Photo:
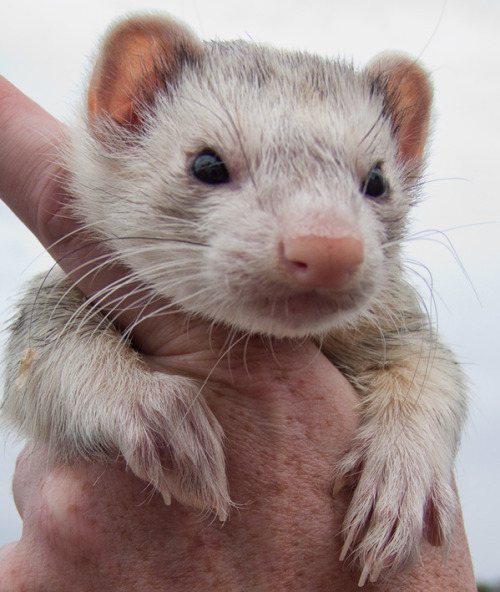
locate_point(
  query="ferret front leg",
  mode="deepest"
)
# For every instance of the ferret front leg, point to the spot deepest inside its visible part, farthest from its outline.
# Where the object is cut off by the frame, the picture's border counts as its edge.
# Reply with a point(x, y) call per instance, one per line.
point(400, 463)
point(74, 384)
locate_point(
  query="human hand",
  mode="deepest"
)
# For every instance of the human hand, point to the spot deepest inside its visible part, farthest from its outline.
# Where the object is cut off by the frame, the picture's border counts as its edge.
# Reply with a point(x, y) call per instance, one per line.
point(288, 416)
point(89, 527)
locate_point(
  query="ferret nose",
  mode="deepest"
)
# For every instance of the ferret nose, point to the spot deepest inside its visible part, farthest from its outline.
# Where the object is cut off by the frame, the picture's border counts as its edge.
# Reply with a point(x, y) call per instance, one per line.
point(321, 261)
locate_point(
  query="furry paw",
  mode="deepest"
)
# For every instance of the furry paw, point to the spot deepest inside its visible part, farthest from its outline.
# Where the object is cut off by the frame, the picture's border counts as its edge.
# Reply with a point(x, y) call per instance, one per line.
point(171, 439)
point(400, 495)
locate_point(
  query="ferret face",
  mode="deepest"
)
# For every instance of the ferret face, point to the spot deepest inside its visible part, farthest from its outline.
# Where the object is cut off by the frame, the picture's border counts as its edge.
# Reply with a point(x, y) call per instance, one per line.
point(261, 189)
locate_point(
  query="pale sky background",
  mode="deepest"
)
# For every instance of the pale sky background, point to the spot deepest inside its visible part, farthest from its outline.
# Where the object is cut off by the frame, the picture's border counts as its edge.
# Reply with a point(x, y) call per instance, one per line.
point(45, 48)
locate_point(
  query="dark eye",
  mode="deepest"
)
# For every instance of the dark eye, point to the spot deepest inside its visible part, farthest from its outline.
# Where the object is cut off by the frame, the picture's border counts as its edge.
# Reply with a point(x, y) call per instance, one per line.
point(375, 184)
point(209, 168)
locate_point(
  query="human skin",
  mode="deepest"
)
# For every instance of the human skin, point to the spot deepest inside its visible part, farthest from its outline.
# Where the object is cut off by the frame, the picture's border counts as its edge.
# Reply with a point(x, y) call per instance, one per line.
point(288, 416)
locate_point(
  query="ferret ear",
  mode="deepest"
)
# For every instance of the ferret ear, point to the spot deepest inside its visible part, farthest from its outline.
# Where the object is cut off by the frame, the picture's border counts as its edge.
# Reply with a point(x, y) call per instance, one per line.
point(408, 99)
point(137, 58)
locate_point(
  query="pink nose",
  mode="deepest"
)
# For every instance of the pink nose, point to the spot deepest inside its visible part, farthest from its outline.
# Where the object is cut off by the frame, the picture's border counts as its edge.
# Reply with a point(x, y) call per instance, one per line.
point(321, 261)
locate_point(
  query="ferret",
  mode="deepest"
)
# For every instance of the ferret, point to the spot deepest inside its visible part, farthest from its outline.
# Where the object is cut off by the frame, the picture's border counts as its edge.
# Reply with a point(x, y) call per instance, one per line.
point(269, 192)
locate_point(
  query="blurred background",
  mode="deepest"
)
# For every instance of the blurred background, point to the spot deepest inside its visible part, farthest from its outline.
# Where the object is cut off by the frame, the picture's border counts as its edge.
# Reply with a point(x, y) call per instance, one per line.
point(45, 48)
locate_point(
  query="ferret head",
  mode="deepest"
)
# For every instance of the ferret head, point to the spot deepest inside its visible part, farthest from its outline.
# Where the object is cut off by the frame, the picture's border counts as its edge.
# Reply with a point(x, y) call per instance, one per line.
point(263, 189)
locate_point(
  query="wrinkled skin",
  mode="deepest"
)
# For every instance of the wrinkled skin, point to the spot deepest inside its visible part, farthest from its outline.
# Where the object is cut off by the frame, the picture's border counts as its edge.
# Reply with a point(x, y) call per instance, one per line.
point(96, 528)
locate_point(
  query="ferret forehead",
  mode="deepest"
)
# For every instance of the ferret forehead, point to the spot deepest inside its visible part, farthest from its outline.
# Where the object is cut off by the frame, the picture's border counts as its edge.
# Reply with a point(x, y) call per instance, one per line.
point(279, 89)
point(294, 76)
point(288, 102)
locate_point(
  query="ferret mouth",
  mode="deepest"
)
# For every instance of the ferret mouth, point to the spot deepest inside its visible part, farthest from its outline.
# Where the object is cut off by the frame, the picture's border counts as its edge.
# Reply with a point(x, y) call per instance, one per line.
point(307, 313)
point(313, 304)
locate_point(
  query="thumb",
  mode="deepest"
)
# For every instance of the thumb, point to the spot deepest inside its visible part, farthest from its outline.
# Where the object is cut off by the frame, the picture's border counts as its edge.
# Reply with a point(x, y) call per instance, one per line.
point(32, 185)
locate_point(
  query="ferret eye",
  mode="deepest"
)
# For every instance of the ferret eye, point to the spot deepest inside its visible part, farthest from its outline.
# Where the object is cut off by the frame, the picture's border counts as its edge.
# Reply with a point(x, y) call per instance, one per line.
point(209, 168)
point(375, 184)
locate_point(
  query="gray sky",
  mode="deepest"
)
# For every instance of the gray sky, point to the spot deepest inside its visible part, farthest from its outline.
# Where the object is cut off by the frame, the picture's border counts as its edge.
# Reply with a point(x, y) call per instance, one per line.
point(45, 48)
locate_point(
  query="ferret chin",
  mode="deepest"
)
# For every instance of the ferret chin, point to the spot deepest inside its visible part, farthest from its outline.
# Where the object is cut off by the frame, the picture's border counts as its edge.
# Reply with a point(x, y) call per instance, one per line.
point(267, 191)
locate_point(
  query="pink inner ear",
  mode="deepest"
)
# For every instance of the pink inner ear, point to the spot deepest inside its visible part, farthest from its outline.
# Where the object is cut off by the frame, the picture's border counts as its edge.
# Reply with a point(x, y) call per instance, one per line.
point(409, 97)
point(124, 77)
point(135, 59)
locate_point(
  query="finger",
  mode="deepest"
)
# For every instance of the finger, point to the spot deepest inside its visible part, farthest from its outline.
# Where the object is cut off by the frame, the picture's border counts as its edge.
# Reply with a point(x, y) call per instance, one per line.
point(32, 179)
point(32, 184)
point(29, 138)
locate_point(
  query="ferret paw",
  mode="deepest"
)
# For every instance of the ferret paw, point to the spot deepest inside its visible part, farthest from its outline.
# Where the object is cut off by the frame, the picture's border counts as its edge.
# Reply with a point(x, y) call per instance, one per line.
point(171, 439)
point(398, 499)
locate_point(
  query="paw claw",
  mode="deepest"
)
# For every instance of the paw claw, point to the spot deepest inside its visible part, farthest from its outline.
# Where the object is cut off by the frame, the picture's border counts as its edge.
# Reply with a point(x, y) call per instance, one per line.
point(391, 510)
point(172, 440)
point(375, 574)
point(339, 485)
point(167, 498)
point(222, 514)
point(345, 548)
point(364, 576)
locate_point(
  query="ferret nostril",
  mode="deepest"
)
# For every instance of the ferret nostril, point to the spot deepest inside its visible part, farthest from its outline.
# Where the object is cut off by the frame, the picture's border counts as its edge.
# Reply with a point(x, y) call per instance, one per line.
point(299, 264)
point(321, 262)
